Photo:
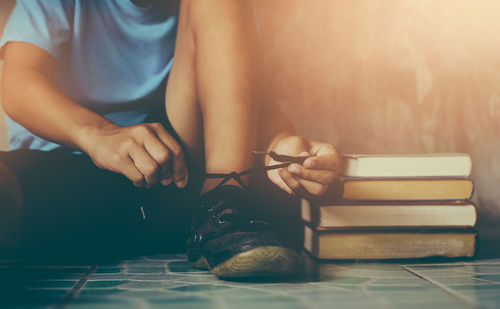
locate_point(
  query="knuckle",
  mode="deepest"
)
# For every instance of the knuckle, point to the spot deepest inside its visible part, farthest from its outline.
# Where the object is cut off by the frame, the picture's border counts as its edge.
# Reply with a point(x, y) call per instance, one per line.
point(141, 130)
point(176, 150)
point(163, 158)
point(126, 144)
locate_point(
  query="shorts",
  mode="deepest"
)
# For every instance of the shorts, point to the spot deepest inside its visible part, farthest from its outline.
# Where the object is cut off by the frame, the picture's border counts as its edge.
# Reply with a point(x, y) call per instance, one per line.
point(70, 204)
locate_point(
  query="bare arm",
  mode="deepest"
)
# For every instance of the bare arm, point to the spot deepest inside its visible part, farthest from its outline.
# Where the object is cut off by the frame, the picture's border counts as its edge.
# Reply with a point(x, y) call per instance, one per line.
point(142, 153)
point(31, 98)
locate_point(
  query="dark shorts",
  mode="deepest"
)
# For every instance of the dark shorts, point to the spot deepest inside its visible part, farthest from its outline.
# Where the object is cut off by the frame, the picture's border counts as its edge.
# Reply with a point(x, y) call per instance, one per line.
point(71, 204)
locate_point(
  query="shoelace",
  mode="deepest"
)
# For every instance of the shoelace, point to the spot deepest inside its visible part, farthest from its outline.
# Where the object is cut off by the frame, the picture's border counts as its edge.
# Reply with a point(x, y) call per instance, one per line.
point(237, 176)
point(287, 160)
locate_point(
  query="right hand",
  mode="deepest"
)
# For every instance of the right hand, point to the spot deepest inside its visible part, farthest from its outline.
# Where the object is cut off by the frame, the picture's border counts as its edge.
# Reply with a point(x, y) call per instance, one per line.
point(145, 153)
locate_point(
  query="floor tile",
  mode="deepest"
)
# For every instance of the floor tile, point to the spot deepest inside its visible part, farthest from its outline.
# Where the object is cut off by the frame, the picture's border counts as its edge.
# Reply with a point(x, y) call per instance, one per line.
point(168, 281)
point(30, 286)
point(479, 284)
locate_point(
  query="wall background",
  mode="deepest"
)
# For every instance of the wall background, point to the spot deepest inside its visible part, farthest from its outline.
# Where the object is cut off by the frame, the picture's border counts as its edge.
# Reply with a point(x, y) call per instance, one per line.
point(392, 76)
point(388, 76)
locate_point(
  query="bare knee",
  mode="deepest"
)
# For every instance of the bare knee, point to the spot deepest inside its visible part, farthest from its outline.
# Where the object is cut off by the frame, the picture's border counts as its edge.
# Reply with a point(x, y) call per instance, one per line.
point(10, 206)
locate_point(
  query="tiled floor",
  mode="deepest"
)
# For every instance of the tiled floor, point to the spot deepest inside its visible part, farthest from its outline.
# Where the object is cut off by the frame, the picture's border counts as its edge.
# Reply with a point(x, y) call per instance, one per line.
point(161, 281)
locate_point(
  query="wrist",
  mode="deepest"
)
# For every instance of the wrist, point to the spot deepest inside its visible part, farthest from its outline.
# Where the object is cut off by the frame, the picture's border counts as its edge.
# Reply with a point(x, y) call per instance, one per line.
point(87, 136)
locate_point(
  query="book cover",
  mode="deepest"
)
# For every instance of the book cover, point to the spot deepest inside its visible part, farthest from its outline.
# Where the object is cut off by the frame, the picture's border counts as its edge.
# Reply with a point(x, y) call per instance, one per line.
point(389, 244)
point(424, 165)
point(328, 216)
point(406, 189)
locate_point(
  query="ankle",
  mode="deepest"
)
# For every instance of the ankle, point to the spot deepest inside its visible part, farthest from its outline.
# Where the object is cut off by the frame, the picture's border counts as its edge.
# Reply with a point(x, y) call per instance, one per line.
point(210, 184)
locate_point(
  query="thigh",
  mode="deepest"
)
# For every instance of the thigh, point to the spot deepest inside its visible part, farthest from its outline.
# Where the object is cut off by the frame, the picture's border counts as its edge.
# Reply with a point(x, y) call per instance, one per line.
point(68, 202)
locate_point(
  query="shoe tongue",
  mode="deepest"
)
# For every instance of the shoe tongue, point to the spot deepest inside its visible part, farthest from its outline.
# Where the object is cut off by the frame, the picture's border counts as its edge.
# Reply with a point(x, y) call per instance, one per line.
point(227, 197)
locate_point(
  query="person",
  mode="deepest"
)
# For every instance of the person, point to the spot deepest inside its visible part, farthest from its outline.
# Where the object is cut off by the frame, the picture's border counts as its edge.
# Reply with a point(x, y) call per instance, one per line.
point(101, 145)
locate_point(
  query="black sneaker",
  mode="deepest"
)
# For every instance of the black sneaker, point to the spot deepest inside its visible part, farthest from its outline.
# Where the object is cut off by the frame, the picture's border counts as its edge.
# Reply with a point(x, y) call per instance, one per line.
point(228, 243)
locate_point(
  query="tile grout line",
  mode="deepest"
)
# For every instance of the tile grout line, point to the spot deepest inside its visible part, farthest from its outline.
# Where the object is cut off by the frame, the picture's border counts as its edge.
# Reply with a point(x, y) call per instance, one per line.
point(76, 288)
point(478, 263)
point(443, 287)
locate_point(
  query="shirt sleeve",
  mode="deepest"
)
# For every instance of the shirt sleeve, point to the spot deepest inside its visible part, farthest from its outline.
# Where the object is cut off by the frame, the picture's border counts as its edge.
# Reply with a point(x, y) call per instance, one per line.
point(43, 23)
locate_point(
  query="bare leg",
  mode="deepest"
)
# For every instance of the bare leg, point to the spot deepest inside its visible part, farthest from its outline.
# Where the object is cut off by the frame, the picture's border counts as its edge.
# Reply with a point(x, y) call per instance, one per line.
point(210, 96)
point(211, 103)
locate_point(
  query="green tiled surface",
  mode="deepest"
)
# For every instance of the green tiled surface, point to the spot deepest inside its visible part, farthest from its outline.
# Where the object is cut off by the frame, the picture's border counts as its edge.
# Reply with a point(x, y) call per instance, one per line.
point(168, 281)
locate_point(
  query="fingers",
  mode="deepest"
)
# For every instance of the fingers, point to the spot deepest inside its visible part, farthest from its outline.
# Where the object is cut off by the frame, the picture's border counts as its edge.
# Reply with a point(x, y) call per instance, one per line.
point(292, 184)
point(325, 156)
point(323, 162)
point(146, 165)
point(275, 177)
point(179, 167)
point(163, 157)
point(131, 159)
point(321, 176)
point(130, 171)
point(146, 154)
point(316, 173)
point(302, 186)
point(312, 188)
point(158, 156)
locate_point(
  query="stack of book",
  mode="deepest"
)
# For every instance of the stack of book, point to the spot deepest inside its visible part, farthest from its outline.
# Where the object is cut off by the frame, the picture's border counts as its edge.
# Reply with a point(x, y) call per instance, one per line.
point(395, 206)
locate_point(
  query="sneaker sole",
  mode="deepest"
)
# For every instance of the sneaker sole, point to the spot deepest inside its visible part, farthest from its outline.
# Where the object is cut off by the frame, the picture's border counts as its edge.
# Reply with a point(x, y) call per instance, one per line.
point(259, 262)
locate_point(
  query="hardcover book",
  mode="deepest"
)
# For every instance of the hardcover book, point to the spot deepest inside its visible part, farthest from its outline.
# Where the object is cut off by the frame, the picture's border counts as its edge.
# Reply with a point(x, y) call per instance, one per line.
point(330, 216)
point(406, 189)
point(389, 244)
point(425, 165)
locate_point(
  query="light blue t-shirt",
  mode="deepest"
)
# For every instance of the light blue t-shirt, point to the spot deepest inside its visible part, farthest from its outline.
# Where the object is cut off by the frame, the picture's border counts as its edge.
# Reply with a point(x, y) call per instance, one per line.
point(112, 56)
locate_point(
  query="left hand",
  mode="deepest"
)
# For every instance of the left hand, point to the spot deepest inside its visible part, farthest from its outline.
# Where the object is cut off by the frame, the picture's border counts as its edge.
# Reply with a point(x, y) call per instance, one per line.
point(313, 176)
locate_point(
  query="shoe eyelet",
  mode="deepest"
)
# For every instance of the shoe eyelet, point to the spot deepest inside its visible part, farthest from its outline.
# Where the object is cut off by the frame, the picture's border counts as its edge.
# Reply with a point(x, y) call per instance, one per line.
point(198, 237)
point(224, 218)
